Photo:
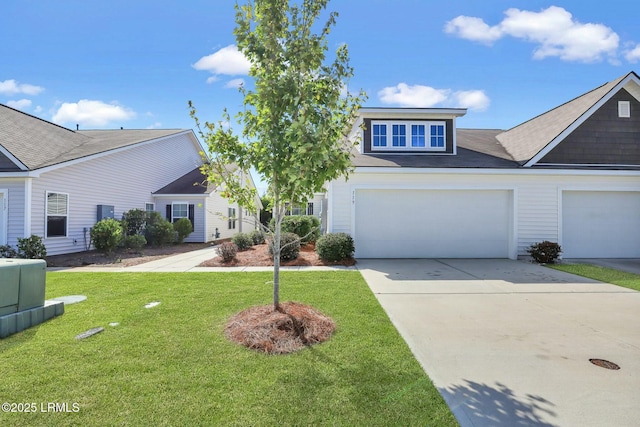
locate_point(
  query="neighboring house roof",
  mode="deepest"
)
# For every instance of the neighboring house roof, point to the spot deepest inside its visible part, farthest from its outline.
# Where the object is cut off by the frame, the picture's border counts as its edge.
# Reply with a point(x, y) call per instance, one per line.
point(35, 143)
point(526, 140)
point(191, 183)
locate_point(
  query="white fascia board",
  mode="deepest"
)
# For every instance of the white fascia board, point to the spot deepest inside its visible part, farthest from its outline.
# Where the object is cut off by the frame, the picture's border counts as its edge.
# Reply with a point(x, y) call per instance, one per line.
point(13, 158)
point(481, 171)
point(115, 150)
point(24, 174)
point(185, 196)
point(411, 113)
point(558, 139)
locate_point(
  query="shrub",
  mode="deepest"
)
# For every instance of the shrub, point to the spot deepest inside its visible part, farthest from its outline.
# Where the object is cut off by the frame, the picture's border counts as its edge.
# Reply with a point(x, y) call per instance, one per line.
point(31, 247)
point(305, 226)
point(289, 246)
point(134, 222)
point(183, 227)
point(335, 247)
point(545, 252)
point(258, 237)
point(7, 251)
point(243, 241)
point(106, 235)
point(159, 231)
point(135, 242)
point(227, 251)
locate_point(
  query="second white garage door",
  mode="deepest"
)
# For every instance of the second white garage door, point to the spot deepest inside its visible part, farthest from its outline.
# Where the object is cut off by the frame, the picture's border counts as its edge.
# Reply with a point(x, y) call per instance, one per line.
point(600, 224)
point(433, 223)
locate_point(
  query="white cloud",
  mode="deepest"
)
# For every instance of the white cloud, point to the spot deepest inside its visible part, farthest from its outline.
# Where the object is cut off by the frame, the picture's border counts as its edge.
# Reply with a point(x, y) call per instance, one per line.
point(12, 87)
point(633, 55)
point(234, 84)
point(38, 110)
point(417, 96)
point(212, 79)
point(156, 125)
point(553, 30)
point(21, 104)
point(228, 60)
point(92, 113)
point(470, 28)
point(475, 100)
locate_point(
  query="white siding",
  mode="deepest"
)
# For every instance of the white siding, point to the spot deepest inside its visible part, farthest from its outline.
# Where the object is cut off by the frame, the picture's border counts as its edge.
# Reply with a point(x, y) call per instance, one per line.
point(16, 208)
point(536, 194)
point(217, 212)
point(124, 179)
point(199, 211)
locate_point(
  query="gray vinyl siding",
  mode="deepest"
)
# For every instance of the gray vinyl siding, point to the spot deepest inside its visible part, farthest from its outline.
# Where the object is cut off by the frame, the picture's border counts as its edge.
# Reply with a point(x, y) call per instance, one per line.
point(16, 208)
point(604, 138)
point(199, 212)
point(124, 179)
point(537, 207)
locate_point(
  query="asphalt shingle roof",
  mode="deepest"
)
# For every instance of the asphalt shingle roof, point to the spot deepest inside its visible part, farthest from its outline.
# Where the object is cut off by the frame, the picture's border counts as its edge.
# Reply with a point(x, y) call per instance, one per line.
point(37, 143)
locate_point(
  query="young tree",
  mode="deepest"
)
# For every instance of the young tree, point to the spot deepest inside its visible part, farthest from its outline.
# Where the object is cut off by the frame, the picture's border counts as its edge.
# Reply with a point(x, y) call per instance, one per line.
point(297, 119)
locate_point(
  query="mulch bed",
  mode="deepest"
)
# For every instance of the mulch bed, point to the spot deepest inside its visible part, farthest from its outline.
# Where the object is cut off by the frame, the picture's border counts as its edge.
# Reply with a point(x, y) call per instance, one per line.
point(258, 255)
point(294, 327)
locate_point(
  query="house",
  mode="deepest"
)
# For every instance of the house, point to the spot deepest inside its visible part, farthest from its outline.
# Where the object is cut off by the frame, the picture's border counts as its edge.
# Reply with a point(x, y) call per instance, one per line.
point(422, 188)
point(57, 183)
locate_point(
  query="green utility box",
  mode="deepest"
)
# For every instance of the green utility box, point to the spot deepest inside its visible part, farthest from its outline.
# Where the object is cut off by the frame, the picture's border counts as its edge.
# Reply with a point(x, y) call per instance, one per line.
point(32, 283)
point(9, 286)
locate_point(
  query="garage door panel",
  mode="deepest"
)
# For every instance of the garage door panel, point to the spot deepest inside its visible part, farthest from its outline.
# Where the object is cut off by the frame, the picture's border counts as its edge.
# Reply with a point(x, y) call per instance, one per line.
point(600, 224)
point(432, 223)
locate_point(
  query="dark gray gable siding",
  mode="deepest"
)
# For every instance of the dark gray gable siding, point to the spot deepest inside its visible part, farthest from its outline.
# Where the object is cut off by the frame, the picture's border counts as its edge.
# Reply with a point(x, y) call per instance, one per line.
point(6, 165)
point(604, 138)
point(366, 138)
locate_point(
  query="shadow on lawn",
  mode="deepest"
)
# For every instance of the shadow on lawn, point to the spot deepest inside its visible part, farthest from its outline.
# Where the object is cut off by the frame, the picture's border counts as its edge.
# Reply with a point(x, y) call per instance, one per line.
point(483, 405)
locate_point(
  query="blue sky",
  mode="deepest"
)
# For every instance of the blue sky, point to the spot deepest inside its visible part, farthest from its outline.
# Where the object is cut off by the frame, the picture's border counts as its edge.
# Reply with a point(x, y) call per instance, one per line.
point(136, 63)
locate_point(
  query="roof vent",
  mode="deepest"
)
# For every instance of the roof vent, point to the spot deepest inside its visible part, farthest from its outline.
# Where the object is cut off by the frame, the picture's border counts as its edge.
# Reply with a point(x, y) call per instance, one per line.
point(624, 109)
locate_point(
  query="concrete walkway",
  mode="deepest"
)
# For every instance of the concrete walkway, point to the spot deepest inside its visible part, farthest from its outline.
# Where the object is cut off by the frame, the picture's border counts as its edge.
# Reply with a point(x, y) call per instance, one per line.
point(508, 343)
point(189, 261)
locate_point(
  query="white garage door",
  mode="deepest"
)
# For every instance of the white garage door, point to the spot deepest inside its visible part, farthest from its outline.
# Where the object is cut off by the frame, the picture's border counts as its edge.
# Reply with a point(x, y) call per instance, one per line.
point(432, 223)
point(600, 224)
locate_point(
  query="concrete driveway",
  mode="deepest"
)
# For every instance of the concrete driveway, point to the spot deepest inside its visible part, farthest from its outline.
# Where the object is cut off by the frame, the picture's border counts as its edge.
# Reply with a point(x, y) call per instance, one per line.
point(508, 343)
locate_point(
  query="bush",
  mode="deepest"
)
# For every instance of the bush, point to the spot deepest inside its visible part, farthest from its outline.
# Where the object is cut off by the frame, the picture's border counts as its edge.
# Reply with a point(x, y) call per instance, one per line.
point(258, 237)
point(159, 231)
point(227, 251)
point(243, 241)
point(134, 222)
point(135, 242)
point(7, 251)
point(305, 226)
point(183, 227)
point(31, 247)
point(106, 235)
point(289, 246)
point(335, 247)
point(545, 252)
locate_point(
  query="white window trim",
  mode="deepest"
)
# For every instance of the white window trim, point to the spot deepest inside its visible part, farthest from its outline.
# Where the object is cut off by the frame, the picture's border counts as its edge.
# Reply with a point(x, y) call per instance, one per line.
point(231, 223)
point(408, 136)
point(46, 215)
point(624, 109)
point(174, 217)
point(153, 207)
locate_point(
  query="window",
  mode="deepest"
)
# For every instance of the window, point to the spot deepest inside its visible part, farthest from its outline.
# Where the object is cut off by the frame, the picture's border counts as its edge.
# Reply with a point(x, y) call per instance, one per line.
point(624, 109)
point(399, 135)
point(57, 214)
point(379, 135)
point(437, 136)
point(232, 218)
point(409, 136)
point(179, 210)
point(149, 207)
point(417, 136)
point(310, 208)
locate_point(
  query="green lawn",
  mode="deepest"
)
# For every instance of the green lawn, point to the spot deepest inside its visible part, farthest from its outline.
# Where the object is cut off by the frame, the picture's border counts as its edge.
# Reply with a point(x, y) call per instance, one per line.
point(171, 364)
point(608, 275)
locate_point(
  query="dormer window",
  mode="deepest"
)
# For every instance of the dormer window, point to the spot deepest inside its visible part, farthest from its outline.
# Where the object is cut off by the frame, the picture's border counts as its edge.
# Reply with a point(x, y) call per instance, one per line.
point(408, 136)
